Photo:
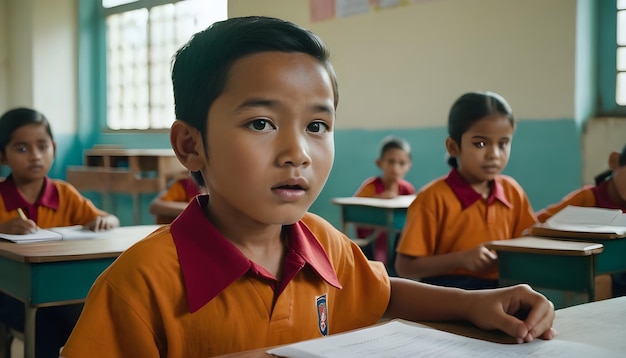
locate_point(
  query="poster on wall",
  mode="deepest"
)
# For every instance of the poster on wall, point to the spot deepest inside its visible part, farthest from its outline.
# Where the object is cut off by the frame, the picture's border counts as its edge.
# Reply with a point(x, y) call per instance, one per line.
point(329, 9)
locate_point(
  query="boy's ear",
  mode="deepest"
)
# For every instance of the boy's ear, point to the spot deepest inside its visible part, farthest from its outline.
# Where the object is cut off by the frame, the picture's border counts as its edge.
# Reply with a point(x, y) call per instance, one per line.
point(377, 162)
point(614, 160)
point(452, 147)
point(188, 145)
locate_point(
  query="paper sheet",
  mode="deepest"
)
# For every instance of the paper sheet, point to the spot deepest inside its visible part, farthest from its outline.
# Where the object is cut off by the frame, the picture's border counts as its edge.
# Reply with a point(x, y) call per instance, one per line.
point(400, 338)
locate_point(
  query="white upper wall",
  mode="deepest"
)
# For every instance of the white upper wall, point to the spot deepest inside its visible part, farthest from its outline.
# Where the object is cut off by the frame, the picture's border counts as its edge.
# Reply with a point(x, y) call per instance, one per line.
point(38, 65)
point(399, 67)
point(4, 57)
point(404, 66)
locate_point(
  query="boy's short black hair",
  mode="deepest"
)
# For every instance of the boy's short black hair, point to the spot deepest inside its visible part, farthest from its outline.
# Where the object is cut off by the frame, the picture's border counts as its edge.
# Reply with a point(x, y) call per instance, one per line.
point(16, 118)
point(200, 67)
point(393, 142)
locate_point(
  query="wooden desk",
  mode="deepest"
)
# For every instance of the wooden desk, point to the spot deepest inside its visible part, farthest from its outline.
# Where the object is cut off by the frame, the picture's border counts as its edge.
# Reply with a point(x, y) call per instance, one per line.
point(598, 325)
point(547, 265)
point(59, 272)
point(129, 171)
point(387, 214)
point(612, 259)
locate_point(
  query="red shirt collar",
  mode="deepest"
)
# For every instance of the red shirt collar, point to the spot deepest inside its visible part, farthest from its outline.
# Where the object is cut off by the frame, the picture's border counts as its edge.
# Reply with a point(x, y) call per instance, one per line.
point(468, 196)
point(13, 199)
point(404, 187)
point(203, 253)
point(601, 194)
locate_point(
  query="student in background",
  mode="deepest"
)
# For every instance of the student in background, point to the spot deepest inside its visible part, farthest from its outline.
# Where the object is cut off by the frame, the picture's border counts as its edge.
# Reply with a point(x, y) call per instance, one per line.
point(255, 107)
point(609, 192)
point(394, 162)
point(452, 217)
point(30, 199)
point(171, 202)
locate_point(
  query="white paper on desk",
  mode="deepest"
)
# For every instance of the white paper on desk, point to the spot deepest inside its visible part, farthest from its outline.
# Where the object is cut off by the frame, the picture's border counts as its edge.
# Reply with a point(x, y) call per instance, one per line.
point(400, 338)
point(76, 232)
point(40, 235)
point(53, 234)
point(596, 220)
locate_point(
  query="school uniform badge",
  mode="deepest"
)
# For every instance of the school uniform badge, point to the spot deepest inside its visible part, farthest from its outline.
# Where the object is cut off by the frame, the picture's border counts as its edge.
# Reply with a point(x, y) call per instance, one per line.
point(322, 314)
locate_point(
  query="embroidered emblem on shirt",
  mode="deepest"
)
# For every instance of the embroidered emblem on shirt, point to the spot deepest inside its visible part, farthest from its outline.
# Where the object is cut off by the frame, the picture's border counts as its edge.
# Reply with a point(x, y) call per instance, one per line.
point(322, 314)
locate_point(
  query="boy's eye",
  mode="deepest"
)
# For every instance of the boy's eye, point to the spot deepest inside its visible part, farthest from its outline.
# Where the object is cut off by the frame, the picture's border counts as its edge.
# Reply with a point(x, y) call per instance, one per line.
point(317, 127)
point(260, 125)
point(480, 144)
point(21, 149)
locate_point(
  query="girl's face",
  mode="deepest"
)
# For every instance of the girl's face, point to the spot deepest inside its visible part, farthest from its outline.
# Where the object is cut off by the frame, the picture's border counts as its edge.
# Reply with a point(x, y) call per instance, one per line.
point(484, 149)
point(29, 153)
point(394, 163)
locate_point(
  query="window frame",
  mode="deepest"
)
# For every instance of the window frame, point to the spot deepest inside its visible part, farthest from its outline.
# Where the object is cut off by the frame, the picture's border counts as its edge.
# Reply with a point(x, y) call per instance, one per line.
point(92, 69)
point(607, 60)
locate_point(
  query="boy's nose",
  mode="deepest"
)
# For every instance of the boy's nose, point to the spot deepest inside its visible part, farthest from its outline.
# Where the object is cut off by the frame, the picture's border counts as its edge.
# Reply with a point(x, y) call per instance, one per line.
point(293, 150)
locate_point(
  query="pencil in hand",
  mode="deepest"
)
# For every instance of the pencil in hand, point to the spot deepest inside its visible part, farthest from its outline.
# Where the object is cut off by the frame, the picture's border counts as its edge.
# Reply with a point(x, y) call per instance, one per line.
point(24, 217)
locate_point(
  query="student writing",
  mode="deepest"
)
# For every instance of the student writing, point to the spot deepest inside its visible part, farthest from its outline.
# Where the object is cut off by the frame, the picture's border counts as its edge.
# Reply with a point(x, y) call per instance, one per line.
point(452, 217)
point(609, 192)
point(394, 162)
point(30, 199)
point(246, 266)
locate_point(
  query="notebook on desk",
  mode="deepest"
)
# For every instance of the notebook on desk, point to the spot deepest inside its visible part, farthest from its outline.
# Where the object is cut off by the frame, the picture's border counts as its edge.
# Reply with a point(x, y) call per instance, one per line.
point(584, 222)
point(52, 234)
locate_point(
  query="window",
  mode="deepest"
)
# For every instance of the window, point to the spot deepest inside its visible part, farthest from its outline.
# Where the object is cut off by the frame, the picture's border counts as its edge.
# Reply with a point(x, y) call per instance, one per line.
point(620, 89)
point(141, 37)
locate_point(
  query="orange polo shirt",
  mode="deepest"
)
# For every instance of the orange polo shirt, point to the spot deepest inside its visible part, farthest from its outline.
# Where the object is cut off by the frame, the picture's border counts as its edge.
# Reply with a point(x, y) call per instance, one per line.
point(448, 215)
point(186, 291)
point(182, 190)
point(59, 204)
point(587, 196)
point(374, 185)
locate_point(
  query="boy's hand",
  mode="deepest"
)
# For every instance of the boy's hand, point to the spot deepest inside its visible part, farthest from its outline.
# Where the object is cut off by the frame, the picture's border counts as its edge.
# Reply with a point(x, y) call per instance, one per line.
point(18, 226)
point(480, 259)
point(103, 223)
point(518, 311)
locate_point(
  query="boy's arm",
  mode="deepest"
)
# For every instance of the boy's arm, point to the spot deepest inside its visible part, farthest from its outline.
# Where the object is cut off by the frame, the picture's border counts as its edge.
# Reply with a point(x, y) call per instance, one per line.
point(478, 259)
point(160, 207)
point(104, 222)
point(487, 309)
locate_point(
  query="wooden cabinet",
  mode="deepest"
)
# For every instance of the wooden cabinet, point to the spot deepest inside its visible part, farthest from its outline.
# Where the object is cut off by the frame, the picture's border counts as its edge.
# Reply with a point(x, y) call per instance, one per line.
point(128, 171)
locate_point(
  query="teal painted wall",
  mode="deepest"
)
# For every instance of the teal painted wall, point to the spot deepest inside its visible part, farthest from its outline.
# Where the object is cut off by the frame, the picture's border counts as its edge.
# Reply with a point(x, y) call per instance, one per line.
point(545, 160)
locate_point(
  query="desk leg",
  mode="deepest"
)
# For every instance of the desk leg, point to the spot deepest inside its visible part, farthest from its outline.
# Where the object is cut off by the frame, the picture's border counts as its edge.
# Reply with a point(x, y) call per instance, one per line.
point(136, 209)
point(391, 244)
point(30, 315)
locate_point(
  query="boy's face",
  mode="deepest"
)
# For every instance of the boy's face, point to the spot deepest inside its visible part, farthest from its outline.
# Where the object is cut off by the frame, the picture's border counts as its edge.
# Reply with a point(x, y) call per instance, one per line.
point(29, 153)
point(270, 139)
point(485, 149)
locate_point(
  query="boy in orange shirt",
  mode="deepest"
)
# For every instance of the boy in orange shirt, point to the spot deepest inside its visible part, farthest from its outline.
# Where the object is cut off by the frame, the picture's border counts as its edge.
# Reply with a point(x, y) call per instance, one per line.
point(453, 216)
point(170, 203)
point(246, 266)
point(27, 148)
point(394, 162)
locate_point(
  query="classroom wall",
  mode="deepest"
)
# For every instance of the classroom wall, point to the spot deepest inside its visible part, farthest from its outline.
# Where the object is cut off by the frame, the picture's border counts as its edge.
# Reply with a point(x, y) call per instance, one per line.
point(4, 56)
point(399, 71)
